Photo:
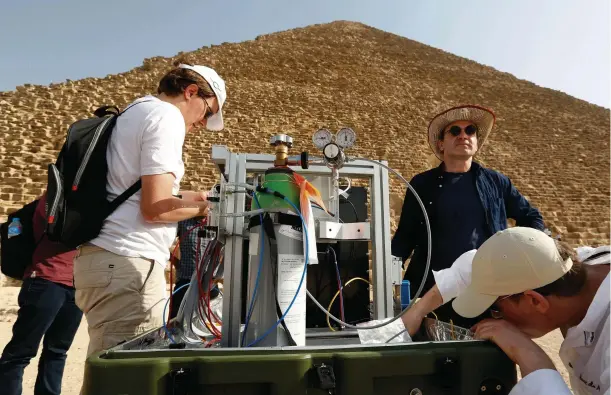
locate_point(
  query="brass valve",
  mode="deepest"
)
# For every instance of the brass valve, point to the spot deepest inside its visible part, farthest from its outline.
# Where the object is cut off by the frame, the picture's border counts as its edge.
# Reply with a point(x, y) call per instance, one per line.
point(282, 143)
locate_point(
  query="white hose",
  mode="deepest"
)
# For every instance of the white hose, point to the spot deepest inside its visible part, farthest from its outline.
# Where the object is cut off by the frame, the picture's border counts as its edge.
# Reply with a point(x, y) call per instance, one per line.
point(344, 193)
point(428, 257)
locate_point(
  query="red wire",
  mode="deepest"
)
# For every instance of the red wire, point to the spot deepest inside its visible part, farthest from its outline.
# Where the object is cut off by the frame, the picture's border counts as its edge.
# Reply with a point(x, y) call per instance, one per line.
point(341, 299)
point(220, 260)
point(211, 312)
point(211, 342)
point(201, 306)
point(208, 299)
point(210, 328)
point(201, 291)
point(209, 290)
point(203, 302)
point(215, 257)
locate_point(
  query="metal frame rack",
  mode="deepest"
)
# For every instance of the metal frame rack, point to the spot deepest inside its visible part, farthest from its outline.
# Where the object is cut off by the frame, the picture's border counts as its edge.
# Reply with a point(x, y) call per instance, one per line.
point(234, 168)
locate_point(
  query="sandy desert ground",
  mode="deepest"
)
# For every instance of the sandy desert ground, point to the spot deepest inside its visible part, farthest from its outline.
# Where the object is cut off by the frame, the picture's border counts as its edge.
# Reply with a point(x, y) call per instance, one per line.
point(76, 356)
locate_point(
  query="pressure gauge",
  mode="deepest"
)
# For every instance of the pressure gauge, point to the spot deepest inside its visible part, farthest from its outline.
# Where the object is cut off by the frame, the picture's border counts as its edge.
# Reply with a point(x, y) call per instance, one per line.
point(334, 156)
point(345, 137)
point(322, 138)
point(331, 151)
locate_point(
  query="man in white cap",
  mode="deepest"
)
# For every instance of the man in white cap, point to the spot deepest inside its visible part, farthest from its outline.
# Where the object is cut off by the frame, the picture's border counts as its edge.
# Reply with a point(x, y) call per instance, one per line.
point(119, 276)
point(534, 285)
point(466, 203)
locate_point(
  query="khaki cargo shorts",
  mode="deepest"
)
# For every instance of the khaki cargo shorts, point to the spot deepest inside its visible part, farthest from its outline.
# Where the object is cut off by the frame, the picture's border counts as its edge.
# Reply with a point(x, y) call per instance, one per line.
point(121, 297)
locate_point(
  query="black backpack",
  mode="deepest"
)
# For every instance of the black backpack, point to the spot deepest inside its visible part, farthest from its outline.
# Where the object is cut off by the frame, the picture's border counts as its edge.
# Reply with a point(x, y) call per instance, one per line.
point(77, 201)
point(16, 253)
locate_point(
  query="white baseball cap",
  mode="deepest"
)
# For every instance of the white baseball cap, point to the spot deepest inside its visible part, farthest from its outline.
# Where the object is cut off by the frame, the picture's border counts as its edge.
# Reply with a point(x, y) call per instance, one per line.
point(215, 122)
point(510, 262)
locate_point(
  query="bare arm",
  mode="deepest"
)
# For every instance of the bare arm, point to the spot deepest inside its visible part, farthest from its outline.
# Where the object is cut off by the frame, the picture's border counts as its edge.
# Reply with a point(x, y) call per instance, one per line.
point(157, 204)
point(192, 196)
point(412, 319)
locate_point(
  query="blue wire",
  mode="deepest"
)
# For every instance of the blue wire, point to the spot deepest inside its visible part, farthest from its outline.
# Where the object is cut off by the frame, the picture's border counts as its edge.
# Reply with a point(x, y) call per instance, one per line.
point(303, 275)
point(165, 327)
point(254, 292)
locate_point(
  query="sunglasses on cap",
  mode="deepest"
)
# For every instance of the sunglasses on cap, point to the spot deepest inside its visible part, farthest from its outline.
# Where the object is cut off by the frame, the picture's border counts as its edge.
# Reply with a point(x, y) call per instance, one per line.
point(455, 130)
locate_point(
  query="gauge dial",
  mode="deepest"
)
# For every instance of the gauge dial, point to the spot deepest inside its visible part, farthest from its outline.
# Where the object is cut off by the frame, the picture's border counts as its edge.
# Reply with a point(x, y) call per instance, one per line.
point(345, 137)
point(322, 138)
point(331, 151)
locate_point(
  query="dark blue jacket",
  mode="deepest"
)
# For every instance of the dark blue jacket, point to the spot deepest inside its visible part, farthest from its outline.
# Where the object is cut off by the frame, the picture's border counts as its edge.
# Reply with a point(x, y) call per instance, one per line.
point(500, 199)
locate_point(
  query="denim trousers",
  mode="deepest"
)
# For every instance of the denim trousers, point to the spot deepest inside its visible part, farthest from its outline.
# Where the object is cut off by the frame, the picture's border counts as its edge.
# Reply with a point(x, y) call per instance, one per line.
point(46, 310)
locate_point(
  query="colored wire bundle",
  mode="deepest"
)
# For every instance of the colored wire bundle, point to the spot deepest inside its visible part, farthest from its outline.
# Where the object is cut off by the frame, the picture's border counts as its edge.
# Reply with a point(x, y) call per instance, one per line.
point(207, 264)
point(205, 270)
point(427, 265)
point(339, 293)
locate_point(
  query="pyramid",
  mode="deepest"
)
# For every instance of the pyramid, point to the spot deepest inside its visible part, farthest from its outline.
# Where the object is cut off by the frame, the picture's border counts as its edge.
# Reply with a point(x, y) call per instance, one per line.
point(555, 148)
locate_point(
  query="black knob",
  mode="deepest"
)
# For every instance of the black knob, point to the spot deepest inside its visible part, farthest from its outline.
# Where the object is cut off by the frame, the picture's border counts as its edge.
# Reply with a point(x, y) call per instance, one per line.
point(304, 160)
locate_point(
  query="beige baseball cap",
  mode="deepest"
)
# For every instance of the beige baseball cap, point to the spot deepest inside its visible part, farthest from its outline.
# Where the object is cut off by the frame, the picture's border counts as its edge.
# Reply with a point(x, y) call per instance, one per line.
point(510, 262)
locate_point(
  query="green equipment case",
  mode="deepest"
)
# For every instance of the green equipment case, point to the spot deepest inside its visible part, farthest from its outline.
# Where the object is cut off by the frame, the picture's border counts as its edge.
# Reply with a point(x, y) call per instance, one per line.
point(327, 365)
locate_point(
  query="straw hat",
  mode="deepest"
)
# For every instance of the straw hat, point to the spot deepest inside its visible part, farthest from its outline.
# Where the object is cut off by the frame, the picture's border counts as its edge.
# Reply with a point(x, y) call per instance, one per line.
point(482, 117)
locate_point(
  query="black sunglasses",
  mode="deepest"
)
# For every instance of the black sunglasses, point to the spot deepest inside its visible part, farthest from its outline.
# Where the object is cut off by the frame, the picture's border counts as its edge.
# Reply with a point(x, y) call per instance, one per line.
point(455, 130)
point(209, 112)
point(201, 94)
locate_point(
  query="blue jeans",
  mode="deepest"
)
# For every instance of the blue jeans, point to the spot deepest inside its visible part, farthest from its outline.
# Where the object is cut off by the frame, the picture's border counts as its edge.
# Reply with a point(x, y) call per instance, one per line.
point(46, 309)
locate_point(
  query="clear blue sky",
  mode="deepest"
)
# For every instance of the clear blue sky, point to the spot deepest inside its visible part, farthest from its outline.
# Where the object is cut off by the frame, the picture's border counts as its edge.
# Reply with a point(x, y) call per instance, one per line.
point(560, 44)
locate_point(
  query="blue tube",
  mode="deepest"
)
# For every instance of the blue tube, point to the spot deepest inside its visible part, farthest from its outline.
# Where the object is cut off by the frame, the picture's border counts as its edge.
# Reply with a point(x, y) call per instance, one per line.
point(303, 275)
point(165, 327)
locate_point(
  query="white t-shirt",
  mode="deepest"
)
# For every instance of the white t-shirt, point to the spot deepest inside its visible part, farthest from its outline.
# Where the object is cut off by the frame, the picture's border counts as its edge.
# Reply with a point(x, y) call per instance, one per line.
point(585, 349)
point(147, 140)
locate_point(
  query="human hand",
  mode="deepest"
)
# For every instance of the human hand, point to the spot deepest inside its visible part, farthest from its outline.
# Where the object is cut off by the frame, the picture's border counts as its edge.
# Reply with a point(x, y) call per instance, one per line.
point(203, 208)
point(412, 319)
point(515, 344)
point(201, 196)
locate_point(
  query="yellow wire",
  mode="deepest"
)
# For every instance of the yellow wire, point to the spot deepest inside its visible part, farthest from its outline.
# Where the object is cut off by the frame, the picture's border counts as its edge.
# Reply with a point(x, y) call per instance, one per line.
point(337, 294)
point(452, 329)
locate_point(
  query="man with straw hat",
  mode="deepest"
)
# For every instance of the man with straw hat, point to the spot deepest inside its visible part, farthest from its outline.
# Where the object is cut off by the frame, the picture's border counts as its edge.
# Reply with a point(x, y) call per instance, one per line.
point(466, 203)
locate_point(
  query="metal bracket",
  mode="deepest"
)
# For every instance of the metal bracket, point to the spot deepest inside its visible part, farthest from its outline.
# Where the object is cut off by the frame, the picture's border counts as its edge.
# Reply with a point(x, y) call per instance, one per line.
point(338, 231)
point(397, 267)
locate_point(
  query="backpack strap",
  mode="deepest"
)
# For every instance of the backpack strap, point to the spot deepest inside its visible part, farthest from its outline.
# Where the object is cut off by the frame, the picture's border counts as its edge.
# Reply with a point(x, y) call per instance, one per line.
point(133, 104)
point(114, 110)
point(106, 110)
point(136, 186)
point(124, 196)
